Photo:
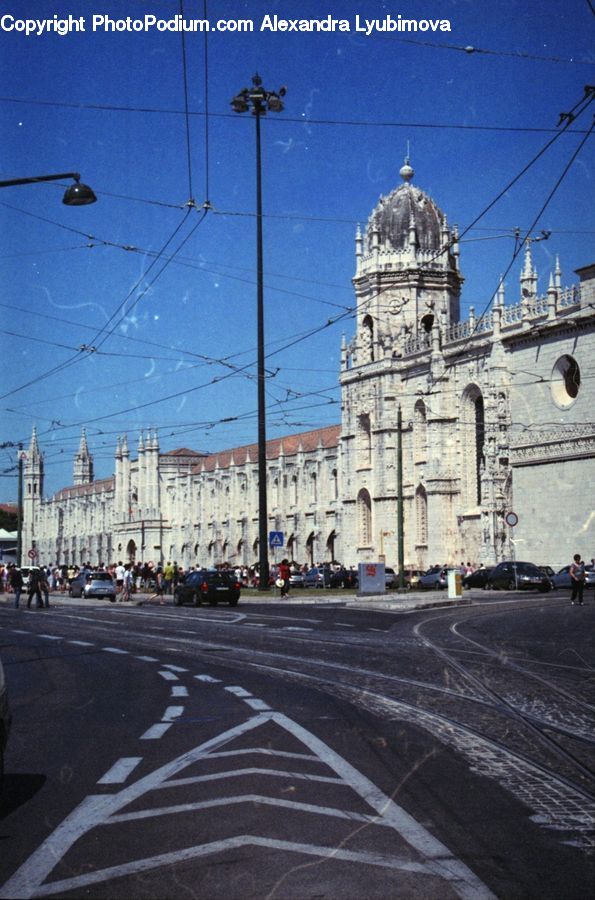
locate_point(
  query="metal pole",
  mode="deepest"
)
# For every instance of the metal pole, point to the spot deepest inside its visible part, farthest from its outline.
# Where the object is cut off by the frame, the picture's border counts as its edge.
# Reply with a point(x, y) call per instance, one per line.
point(400, 518)
point(263, 557)
point(20, 510)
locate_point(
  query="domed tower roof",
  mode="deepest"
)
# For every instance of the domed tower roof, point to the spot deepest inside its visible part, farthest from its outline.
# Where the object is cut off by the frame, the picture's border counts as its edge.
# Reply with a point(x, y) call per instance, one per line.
point(406, 217)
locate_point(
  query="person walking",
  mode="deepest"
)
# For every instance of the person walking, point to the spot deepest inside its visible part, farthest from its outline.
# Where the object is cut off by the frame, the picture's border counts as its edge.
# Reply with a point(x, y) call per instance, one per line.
point(44, 587)
point(34, 587)
point(15, 580)
point(284, 574)
point(577, 577)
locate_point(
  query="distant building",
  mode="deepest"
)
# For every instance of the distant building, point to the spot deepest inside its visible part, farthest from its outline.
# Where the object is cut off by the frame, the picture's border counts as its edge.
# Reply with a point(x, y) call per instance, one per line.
point(497, 414)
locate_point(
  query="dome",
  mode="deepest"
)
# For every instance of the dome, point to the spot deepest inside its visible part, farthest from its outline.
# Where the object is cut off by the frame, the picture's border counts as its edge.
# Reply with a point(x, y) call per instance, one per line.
point(404, 207)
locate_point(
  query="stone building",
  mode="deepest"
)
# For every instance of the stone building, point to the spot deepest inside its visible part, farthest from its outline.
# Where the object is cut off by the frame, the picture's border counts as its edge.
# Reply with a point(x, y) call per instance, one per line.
point(496, 412)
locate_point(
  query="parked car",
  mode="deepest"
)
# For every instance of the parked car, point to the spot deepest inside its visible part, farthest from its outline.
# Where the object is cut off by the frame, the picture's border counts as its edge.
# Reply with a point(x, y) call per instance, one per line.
point(390, 577)
point(296, 579)
point(411, 578)
point(562, 578)
point(478, 579)
point(517, 576)
point(93, 586)
point(343, 578)
point(317, 577)
point(435, 577)
point(210, 586)
point(5, 720)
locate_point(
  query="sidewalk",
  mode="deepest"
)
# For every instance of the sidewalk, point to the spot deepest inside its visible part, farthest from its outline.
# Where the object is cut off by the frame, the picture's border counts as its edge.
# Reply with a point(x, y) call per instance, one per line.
point(389, 601)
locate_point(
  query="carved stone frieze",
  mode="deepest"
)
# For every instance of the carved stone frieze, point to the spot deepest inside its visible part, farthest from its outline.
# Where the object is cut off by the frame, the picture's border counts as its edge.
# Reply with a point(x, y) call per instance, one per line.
point(555, 445)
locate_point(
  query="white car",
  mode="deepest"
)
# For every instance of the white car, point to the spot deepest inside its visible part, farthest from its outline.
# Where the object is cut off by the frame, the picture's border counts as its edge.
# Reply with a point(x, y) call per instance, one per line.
point(5, 720)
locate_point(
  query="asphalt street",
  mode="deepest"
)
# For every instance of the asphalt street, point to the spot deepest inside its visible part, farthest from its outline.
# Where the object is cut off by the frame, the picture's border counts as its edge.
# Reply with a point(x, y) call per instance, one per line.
point(300, 749)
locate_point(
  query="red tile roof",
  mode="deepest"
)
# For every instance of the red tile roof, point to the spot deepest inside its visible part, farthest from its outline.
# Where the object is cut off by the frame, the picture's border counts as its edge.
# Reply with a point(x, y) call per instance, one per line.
point(306, 441)
point(82, 490)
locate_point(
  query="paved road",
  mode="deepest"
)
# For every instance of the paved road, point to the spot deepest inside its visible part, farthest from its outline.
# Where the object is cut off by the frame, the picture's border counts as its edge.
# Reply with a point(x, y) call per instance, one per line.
point(291, 750)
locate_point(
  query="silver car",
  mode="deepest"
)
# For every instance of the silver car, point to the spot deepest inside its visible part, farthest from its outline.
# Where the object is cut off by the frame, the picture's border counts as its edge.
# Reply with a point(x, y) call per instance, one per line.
point(435, 578)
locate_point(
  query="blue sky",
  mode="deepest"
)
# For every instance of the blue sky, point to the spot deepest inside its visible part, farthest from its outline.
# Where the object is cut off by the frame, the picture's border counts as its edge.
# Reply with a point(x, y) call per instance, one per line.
point(178, 352)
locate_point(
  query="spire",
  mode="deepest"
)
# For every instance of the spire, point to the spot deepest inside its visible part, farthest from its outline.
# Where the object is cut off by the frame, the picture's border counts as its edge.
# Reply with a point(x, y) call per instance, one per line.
point(141, 443)
point(83, 462)
point(118, 453)
point(528, 275)
point(558, 274)
point(406, 172)
point(125, 446)
point(34, 446)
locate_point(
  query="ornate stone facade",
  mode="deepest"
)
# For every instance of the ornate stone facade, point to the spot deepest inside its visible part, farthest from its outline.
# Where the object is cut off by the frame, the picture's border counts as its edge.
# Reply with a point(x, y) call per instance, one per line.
point(497, 415)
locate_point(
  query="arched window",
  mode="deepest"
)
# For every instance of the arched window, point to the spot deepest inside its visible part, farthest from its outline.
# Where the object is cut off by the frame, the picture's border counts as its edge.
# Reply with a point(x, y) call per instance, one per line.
point(364, 441)
point(294, 490)
point(368, 339)
point(420, 433)
point(421, 517)
point(472, 445)
point(364, 518)
point(313, 488)
point(335, 480)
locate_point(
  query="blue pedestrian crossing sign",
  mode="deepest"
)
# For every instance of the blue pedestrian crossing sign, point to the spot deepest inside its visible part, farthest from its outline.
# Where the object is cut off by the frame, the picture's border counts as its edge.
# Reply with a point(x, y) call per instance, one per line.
point(276, 538)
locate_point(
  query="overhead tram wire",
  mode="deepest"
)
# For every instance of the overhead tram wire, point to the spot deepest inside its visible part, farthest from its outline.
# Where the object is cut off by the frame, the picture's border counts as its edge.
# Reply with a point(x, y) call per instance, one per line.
point(300, 121)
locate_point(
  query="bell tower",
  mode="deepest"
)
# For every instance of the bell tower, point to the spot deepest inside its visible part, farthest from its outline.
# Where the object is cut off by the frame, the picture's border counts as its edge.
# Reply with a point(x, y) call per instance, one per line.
point(407, 275)
point(33, 491)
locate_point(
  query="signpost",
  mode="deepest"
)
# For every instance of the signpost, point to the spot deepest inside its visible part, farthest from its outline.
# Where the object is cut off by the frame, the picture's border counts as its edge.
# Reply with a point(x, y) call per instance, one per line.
point(511, 520)
point(32, 553)
point(276, 539)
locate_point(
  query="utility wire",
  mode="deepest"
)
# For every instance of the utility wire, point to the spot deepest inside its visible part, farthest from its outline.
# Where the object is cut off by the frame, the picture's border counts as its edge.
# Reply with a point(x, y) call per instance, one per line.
point(286, 119)
point(186, 109)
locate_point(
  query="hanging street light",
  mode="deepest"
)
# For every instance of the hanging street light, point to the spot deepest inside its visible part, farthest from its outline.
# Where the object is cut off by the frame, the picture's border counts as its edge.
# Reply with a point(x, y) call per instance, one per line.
point(76, 195)
point(259, 101)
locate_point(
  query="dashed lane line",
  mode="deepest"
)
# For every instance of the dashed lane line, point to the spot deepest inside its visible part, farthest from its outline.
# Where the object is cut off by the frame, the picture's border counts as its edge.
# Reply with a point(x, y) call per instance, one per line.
point(168, 676)
point(255, 703)
point(156, 731)
point(178, 690)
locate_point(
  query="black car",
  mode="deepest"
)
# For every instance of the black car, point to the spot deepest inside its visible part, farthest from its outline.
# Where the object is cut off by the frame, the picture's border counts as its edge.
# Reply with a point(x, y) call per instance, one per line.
point(518, 576)
point(343, 578)
point(208, 586)
point(477, 579)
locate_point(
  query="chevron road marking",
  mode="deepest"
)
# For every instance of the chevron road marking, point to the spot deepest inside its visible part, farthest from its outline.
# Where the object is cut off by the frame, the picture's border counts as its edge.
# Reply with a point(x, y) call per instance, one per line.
point(105, 810)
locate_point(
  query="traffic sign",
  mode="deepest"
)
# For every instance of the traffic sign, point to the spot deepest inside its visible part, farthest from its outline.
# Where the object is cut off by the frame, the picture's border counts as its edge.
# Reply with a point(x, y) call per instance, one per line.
point(276, 538)
point(32, 553)
point(511, 519)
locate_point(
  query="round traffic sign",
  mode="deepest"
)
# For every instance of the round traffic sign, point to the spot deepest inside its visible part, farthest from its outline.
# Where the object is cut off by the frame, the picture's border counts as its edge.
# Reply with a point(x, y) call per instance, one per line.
point(511, 519)
point(32, 554)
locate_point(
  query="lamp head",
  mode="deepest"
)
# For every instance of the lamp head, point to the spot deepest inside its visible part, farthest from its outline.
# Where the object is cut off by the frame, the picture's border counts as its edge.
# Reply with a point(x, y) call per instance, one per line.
point(79, 195)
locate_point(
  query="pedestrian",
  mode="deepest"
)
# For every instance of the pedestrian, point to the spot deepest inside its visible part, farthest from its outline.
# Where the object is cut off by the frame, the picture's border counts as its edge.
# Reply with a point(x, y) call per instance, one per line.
point(44, 586)
point(34, 587)
point(126, 583)
point(119, 577)
point(577, 577)
point(15, 579)
point(284, 574)
point(159, 586)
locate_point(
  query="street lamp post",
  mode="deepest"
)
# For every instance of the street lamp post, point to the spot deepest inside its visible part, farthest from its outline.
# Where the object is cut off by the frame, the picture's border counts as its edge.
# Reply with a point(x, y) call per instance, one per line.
point(76, 195)
point(22, 458)
point(259, 101)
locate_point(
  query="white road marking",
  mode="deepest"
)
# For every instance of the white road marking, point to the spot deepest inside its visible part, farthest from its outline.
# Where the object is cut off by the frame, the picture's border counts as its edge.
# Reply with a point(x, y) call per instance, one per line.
point(255, 703)
point(171, 713)
point(344, 625)
point(238, 691)
point(120, 770)
point(179, 691)
point(208, 679)
point(155, 731)
point(114, 650)
point(147, 658)
point(20, 631)
point(295, 628)
point(95, 810)
point(258, 799)
point(50, 637)
point(81, 643)
point(169, 676)
point(174, 668)
point(255, 625)
point(251, 771)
